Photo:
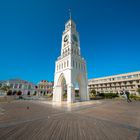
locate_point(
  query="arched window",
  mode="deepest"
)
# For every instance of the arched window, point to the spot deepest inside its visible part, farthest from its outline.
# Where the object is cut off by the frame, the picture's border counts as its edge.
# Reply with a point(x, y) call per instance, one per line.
point(64, 64)
point(77, 52)
point(67, 63)
point(81, 66)
point(57, 67)
point(72, 51)
point(73, 63)
point(68, 51)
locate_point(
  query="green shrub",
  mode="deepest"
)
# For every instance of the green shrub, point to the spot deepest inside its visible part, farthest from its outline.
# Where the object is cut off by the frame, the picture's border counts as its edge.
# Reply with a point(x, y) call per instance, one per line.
point(77, 95)
point(65, 95)
point(102, 94)
point(108, 95)
point(135, 97)
point(9, 92)
point(49, 95)
point(111, 95)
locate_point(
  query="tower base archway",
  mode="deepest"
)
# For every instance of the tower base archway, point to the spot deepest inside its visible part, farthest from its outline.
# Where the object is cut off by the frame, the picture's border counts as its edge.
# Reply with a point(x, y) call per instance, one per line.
point(59, 88)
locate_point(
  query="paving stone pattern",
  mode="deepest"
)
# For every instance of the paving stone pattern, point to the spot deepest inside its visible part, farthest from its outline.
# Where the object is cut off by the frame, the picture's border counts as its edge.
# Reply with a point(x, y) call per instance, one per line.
point(94, 120)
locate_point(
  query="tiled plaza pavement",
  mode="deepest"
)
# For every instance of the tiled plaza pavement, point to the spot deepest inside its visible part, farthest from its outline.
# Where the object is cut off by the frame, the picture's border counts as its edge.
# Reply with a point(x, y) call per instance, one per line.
point(94, 120)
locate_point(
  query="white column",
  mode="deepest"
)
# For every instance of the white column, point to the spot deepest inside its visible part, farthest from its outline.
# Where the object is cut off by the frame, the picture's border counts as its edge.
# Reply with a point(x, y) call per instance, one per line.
point(57, 95)
point(70, 93)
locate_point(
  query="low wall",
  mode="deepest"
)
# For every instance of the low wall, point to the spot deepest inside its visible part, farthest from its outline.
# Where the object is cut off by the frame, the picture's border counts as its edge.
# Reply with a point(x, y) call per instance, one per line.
point(6, 98)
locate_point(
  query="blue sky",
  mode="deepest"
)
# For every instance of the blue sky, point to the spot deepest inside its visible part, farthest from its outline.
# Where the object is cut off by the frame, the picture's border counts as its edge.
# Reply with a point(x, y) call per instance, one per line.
point(31, 30)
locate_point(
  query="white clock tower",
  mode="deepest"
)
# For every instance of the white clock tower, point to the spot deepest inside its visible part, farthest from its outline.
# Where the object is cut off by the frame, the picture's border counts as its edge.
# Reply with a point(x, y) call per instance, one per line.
point(70, 67)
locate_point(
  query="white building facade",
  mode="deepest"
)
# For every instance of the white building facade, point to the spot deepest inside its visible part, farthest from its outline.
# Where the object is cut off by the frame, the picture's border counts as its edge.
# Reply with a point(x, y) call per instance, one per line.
point(44, 87)
point(20, 86)
point(117, 83)
point(70, 67)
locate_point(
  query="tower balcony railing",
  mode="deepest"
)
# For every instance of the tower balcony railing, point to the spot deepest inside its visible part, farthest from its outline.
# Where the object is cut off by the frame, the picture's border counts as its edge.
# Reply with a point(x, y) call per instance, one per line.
point(58, 58)
point(64, 55)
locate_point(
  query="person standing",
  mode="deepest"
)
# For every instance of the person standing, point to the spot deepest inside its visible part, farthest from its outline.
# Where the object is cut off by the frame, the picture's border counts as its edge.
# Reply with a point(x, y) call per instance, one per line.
point(127, 96)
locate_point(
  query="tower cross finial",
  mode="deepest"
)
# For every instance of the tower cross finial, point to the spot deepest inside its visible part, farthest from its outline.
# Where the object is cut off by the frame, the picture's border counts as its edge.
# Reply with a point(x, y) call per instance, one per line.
point(70, 12)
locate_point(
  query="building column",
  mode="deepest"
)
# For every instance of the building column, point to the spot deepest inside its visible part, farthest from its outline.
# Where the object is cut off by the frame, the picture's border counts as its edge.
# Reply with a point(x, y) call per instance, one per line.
point(70, 93)
point(57, 94)
point(13, 86)
point(18, 86)
point(84, 93)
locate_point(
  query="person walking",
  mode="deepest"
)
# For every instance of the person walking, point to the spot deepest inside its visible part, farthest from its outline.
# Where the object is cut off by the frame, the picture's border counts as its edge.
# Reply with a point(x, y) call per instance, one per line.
point(127, 96)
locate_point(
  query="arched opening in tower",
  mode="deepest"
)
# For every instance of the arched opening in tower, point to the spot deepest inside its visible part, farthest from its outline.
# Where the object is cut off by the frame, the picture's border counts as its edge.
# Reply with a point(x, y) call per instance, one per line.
point(64, 89)
point(77, 91)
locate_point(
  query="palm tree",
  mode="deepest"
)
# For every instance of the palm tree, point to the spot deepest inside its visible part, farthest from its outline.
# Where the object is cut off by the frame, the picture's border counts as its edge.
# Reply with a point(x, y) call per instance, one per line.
point(5, 88)
point(92, 93)
point(138, 90)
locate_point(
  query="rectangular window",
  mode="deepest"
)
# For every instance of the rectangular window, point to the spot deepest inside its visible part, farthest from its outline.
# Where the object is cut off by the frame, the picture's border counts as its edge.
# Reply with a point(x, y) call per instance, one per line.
point(16, 85)
point(118, 78)
point(20, 86)
point(11, 85)
point(135, 75)
point(123, 77)
point(129, 76)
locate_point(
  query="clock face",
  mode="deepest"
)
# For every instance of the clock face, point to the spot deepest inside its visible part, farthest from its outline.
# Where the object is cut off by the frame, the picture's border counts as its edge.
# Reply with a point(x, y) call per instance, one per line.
point(75, 38)
point(66, 38)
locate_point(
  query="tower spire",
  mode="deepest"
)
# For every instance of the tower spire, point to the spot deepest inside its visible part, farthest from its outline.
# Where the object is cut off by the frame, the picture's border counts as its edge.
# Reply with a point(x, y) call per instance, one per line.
point(70, 13)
